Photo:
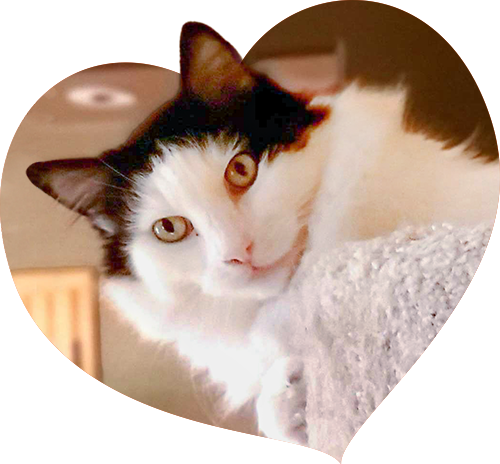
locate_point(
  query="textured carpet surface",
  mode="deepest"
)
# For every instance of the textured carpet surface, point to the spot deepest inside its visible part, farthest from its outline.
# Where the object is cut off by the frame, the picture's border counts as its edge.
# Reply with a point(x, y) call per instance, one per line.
point(365, 312)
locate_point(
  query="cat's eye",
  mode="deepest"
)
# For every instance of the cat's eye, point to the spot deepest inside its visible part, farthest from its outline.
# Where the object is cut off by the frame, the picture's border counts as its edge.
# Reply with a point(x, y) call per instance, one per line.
point(172, 229)
point(241, 171)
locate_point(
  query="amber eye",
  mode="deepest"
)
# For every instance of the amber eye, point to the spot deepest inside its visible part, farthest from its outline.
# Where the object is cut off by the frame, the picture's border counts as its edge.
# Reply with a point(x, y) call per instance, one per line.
point(241, 171)
point(172, 229)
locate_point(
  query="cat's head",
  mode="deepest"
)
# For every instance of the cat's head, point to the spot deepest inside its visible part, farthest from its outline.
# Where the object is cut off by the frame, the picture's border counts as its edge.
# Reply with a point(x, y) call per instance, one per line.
point(212, 190)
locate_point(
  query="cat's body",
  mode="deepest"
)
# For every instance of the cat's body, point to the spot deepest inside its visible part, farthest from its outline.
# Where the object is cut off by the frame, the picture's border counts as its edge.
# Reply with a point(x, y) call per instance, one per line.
point(208, 210)
point(415, 178)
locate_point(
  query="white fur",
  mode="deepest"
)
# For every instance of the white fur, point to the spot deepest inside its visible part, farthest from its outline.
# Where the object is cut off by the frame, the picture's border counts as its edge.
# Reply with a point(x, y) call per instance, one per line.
point(189, 182)
point(371, 176)
point(379, 177)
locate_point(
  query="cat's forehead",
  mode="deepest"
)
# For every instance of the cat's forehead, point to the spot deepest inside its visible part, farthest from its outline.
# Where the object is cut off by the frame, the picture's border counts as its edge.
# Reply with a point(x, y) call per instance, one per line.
point(200, 155)
point(188, 180)
point(187, 172)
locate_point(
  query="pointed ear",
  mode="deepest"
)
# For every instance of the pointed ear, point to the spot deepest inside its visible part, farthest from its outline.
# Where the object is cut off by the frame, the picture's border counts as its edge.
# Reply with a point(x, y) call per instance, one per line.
point(211, 68)
point(78, 184)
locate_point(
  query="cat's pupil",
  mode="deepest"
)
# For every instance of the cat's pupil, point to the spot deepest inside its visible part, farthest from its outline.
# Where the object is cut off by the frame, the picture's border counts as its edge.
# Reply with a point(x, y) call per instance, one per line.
point(240, 168)
point(168, 226)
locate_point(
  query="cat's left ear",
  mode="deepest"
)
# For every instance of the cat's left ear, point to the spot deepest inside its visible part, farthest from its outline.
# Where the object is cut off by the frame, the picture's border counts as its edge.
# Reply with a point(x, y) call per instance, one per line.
point(211, 68)
point(79, 184)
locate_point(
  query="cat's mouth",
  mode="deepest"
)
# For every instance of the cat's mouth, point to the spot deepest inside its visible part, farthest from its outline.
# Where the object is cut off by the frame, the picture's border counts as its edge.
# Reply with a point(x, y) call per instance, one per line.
point(284, 262)
point(290, 260)
point(257, 281)
point(262, 271)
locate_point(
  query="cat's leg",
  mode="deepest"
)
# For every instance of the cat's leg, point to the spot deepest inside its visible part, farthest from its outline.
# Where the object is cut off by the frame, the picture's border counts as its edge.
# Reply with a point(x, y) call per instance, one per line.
point(281, 405)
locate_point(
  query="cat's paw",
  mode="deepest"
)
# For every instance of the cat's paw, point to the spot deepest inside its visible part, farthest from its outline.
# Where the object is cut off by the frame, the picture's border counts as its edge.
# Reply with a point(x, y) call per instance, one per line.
point(281, 405)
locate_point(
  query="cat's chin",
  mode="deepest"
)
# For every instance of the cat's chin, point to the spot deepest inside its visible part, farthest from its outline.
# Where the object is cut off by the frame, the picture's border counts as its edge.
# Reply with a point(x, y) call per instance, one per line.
point(254, 286)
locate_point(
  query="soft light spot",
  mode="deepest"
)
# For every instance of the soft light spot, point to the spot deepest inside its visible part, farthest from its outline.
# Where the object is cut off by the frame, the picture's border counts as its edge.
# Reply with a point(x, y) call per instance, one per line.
point(101, 97)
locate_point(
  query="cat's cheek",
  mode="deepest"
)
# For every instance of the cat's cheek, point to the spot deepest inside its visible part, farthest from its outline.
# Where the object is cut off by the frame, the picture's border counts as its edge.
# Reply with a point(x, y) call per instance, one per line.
point(161, 266)
point(215, 281)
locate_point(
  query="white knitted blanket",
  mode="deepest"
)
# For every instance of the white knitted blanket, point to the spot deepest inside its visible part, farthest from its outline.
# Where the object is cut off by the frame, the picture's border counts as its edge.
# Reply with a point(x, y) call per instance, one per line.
point(365, 312)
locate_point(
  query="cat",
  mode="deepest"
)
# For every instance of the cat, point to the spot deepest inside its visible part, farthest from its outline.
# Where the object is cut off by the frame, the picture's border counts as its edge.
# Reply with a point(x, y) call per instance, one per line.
point(210, 206)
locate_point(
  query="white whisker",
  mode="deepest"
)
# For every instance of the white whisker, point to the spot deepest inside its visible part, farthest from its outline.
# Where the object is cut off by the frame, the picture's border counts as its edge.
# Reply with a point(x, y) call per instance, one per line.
point(115, 170)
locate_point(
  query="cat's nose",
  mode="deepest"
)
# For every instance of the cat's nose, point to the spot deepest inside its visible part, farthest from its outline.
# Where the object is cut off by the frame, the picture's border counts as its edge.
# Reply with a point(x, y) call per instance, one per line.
point(244, 257)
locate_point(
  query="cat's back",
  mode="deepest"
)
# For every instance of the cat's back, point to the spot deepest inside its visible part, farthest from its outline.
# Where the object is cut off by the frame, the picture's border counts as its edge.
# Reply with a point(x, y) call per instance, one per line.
point(381, 173)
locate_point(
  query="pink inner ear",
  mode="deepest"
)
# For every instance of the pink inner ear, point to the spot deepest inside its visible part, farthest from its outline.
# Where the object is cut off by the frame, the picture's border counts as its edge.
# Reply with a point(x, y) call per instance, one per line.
point(311, 75)
point(79, 188)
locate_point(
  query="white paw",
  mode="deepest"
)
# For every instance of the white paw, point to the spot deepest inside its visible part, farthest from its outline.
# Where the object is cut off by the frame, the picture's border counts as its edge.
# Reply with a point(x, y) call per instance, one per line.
point(281, 405)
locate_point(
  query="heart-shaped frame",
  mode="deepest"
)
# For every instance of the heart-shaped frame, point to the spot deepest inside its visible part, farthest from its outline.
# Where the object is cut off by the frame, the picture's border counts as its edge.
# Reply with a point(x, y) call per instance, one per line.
point(124, 98)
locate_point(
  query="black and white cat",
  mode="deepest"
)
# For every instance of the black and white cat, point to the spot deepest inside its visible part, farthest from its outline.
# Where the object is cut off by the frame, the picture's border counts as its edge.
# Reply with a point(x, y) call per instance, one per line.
point(209, 207)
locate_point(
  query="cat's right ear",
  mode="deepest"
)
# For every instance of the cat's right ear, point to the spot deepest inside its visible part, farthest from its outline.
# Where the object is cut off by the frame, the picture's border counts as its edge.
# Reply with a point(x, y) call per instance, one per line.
point(78, 184)
point(211, 68)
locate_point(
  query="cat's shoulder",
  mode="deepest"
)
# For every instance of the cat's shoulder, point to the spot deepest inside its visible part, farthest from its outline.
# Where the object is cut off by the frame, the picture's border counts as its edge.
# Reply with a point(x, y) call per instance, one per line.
point(358, 100)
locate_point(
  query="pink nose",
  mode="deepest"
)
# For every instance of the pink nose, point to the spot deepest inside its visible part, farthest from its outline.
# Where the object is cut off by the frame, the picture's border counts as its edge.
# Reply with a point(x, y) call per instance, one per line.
point(245, 257)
